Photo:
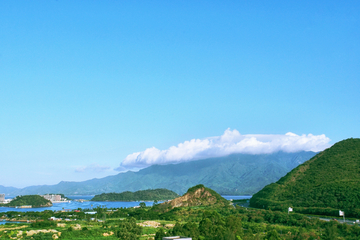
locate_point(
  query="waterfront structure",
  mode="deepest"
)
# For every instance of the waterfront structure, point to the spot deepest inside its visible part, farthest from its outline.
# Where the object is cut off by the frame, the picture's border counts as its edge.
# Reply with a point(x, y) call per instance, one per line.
point(24, 206)
point(2, 197)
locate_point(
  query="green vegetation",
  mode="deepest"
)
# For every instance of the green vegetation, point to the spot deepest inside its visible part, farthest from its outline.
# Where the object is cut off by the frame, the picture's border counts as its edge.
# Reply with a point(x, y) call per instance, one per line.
point(29, 200)
point(323, 185)
point(143, 195)
point(326, 183)
point(236, 174)
point(200, 222)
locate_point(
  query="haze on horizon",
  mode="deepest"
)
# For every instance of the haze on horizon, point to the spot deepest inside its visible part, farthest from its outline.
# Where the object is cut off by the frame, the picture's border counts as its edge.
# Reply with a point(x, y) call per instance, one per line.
point(89, 88)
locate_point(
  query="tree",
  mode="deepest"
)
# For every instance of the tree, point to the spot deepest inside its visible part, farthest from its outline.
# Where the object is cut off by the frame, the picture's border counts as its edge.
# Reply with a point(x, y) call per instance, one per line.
point(160, 234)
point(128, 230)
point(330, 232)
point(190, 229)
point(273, 235)
point(233, 223)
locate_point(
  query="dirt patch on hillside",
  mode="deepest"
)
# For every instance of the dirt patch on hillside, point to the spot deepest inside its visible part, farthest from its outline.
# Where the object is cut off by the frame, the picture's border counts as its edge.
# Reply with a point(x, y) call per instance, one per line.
point(149, 224)
point(13, 228)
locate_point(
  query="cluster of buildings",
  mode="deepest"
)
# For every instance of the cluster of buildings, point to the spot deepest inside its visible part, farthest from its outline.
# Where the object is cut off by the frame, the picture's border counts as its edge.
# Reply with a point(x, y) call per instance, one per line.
point(2, 198)
point(54, 198)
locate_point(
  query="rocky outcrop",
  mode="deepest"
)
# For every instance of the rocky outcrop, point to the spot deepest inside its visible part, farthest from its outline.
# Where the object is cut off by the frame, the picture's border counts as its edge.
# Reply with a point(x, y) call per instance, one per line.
point(200, 197)
point(195, 196)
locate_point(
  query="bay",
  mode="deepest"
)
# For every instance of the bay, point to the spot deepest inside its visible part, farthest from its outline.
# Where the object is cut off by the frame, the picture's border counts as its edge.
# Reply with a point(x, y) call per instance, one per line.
point(4, 222)
point(73, 204)
point(229, 197)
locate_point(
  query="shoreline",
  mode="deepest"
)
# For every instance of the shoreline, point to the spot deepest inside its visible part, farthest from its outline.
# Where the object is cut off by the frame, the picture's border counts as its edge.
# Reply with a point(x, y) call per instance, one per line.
point(130, 200)
point(66, 201)
point(27, 207)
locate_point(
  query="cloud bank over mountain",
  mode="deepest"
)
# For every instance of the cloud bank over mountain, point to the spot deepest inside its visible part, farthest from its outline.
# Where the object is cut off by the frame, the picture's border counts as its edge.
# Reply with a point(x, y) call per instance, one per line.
point(228, 143)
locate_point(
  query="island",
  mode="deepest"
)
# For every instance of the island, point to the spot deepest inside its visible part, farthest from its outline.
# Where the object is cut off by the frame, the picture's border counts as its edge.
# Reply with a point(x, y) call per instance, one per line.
point(29, 201)
point(142, 195)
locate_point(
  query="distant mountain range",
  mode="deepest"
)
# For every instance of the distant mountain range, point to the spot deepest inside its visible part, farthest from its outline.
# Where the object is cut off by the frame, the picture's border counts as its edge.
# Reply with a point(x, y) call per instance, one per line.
point(236, 174)
point(8, 190)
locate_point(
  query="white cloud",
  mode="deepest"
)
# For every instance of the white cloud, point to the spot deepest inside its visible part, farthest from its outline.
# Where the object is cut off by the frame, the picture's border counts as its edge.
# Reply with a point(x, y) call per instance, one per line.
point(93, 168)
point(228, 143)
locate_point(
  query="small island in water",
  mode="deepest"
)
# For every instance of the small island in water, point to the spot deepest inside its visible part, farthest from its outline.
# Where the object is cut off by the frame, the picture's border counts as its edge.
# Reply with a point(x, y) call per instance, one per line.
point(29, 201)
point(142, 195)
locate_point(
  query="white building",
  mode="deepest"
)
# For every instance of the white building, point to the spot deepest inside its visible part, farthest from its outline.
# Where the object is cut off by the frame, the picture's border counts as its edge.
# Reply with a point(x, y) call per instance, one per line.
point(52, 197)
point(92, 213)
point(2, 197)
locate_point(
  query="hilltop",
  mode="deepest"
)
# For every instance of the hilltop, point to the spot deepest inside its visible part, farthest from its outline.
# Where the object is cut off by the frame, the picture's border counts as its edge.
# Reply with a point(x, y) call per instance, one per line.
point(142, 195)
point(236, 174)
point(198, 195)
point(326, 183)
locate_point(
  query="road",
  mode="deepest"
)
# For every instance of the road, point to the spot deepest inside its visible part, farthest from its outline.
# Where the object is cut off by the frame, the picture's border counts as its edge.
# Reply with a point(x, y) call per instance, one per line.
point(340, 220)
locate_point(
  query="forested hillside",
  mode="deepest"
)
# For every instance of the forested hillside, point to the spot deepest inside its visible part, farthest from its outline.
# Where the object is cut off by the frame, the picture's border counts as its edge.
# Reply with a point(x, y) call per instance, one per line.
point(328, 182)
point(29, 200)
point(142, 195)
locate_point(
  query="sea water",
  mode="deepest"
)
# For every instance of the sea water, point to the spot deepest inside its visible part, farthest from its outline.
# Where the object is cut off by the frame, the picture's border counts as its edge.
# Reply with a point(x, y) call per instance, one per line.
point(73, 204)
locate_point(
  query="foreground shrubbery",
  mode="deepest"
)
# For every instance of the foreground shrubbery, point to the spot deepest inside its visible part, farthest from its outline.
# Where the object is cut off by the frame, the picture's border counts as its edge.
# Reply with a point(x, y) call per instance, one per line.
point(216, 221)
point(244, 223)
point(197, 222)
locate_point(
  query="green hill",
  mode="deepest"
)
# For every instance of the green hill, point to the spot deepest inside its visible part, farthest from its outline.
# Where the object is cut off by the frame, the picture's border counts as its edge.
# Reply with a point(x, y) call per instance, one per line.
point(142, 195)
point(198, 195)
point(326, 183)
point(29, 200)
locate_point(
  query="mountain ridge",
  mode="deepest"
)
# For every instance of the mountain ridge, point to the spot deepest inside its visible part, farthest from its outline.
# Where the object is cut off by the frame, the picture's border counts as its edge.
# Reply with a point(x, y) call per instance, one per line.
point(236, 174)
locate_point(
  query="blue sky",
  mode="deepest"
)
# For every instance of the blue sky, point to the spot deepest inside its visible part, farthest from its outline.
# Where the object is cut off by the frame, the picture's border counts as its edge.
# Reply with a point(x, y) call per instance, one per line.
point(85, 84)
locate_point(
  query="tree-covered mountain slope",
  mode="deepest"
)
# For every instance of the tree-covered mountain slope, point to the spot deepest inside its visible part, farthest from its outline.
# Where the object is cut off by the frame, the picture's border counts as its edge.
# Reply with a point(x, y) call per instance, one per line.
point(331, 179)
point(237, 174)
point(141, 195)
